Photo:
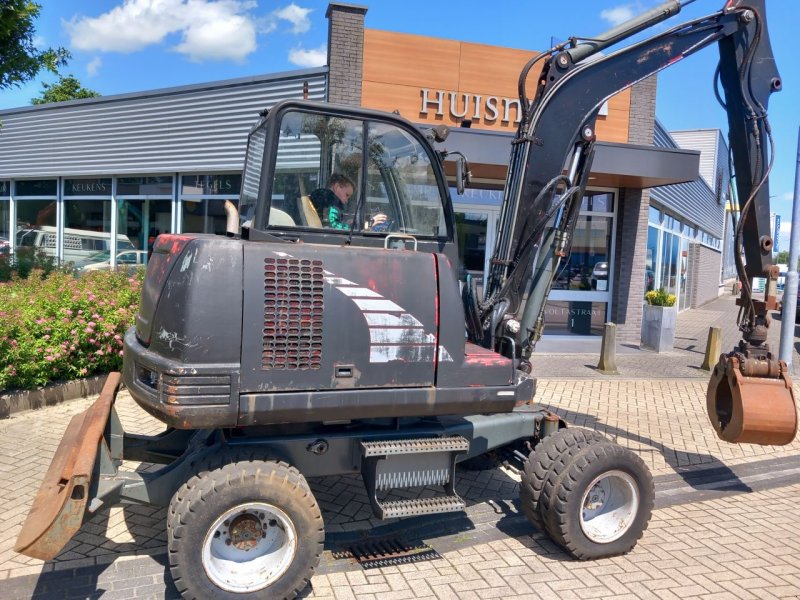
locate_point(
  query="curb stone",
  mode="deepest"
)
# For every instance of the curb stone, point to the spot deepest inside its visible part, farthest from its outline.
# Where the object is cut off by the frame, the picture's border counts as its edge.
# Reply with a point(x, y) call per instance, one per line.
point(22, 400)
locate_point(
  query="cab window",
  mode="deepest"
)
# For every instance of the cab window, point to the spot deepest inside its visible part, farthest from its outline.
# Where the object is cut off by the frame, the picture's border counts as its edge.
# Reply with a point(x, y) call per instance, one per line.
point(323, 180)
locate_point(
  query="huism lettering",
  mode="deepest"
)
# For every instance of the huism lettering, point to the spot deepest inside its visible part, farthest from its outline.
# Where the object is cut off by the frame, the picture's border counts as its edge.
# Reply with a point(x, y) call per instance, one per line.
point(475, 107)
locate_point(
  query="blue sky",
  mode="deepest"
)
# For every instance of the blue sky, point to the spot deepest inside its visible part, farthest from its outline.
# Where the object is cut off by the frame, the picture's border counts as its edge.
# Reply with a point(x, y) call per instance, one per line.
point(123, 46)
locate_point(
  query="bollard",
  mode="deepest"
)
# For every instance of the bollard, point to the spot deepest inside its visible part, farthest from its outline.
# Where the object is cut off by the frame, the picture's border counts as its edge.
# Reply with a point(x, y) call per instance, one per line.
point(608, 351)
point(713, 348)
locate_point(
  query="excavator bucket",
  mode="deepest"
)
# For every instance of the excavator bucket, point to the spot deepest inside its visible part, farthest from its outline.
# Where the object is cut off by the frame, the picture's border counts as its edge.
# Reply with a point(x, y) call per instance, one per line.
point(59, 508)
point(751, 410)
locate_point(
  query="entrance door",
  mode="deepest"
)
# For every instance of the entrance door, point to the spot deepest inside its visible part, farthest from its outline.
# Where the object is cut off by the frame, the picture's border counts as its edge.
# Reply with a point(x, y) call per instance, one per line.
point(581, 295)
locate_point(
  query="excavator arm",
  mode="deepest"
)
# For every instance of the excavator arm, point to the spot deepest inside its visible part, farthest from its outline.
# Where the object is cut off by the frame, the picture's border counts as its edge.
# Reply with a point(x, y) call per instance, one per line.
point(750, 397)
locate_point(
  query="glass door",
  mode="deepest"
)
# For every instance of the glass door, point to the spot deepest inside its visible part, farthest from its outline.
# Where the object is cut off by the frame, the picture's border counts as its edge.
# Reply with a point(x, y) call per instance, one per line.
point(581, 296)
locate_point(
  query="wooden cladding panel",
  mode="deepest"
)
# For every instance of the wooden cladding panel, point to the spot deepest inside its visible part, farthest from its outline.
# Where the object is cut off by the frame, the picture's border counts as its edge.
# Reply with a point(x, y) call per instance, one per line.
point(398, 66)
point(406, 59)
point(493, 71)
point(614, 127)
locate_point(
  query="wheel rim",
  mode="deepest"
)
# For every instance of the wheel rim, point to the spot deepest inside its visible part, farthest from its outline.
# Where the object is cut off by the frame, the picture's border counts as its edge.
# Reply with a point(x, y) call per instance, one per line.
point(249, 547)
point(609, 506)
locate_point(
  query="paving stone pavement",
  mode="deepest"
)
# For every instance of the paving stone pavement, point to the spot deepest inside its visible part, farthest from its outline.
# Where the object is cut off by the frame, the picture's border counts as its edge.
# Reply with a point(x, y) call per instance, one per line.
point(726, 524)
point(684, 361)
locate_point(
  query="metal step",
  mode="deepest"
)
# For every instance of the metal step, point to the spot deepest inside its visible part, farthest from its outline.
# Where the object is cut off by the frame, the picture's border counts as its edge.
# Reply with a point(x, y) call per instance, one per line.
point(414, 446)
point(420, 506)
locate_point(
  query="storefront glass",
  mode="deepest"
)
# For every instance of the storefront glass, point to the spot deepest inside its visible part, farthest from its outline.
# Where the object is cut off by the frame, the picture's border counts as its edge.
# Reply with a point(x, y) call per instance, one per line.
point(36, 209)
point(141, 221)
point(159, 185)
point(5, 216)
point(87, 232)
point(667, 263)
point(471, 230)
point(683, 298)
point(581, 294)
point(588, 264)
point(144, 211)
point(650, 261)
point(204, 216)
point(203, 201)
point(575, 317)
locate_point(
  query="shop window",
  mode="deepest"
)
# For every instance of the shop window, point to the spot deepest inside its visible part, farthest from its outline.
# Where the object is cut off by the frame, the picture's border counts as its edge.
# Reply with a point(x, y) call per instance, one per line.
point(601, 202)
point(5, 226)
point(141, 221)
point(87, 232)
point(471, 230)
point(159, 185)
point(650, 261)
point(204, 216)
point(589, 264)
point(574, 317)
point(36, 225)
point(35, 187)
point(87, 187)
point(211, 185)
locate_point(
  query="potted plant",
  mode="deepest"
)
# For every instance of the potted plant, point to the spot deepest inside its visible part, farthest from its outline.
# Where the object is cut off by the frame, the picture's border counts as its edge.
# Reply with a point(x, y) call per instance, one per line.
point(659, 320)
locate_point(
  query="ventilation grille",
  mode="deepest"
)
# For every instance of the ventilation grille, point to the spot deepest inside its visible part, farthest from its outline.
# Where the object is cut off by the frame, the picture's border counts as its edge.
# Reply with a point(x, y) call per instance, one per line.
point(293, 294)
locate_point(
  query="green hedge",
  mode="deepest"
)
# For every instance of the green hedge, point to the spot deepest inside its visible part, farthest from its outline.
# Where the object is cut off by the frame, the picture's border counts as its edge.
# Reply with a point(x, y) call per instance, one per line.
point(57, 326)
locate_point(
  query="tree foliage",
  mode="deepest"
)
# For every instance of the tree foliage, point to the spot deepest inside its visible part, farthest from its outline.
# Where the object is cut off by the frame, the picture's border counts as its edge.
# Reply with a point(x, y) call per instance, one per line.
point(20, 60)
point(66, 88)
point(782, 258)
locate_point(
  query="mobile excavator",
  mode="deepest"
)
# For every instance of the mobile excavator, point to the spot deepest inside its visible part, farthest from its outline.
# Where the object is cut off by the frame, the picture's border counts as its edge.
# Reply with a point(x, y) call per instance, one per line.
point(285, 350)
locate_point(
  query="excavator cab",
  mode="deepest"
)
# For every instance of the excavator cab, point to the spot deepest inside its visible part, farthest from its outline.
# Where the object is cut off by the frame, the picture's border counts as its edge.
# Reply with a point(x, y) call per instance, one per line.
point(395, 193)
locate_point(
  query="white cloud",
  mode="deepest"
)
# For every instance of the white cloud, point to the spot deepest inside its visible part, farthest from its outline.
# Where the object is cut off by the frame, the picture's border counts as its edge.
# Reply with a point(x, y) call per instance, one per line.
point(619, 14)
point(94, 66)
point(315, 57)
point(296, 15)
point(786, 196)
point(210, 29)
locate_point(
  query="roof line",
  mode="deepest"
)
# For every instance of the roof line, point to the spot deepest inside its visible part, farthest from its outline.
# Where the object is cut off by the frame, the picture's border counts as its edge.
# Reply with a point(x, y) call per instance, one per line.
point(181, 89)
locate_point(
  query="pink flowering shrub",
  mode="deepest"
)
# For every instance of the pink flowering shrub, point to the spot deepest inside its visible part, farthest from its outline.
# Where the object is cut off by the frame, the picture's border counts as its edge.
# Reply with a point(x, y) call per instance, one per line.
point(64, 327)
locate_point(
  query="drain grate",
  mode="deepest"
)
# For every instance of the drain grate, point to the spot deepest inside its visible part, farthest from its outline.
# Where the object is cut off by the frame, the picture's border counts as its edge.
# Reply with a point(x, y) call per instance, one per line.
point(387, 552)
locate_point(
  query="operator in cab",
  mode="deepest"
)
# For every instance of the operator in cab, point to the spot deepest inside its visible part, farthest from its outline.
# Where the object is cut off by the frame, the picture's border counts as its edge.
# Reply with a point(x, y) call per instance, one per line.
point(331, 204)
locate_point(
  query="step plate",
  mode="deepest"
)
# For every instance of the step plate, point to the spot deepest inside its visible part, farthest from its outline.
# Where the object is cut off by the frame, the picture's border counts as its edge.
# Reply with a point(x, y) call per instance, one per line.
point(421, 506)
point(414, 446)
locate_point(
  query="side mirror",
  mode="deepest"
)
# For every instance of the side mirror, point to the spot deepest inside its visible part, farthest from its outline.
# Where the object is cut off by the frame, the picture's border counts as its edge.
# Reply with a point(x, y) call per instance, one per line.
point(463, 175)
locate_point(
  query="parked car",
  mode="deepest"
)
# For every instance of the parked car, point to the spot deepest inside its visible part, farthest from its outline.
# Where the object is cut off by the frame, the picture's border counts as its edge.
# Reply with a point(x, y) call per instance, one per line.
point(599, 280)
point(127, 259)
point(5, 245)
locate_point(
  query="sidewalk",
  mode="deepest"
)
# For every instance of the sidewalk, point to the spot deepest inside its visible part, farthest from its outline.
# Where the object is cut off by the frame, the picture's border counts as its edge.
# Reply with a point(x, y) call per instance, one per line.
point(726, 524)
point(684, 362)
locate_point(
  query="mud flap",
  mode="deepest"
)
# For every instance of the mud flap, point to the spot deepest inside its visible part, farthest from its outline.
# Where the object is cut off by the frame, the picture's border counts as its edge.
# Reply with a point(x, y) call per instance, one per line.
point(751, 410)
point(59, 508)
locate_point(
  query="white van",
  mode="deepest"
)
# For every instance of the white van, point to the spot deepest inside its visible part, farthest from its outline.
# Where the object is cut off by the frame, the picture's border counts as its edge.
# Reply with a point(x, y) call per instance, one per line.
point(79, 244)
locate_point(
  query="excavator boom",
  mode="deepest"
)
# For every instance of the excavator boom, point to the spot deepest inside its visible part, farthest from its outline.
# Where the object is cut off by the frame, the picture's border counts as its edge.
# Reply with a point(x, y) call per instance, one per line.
point(548, 170)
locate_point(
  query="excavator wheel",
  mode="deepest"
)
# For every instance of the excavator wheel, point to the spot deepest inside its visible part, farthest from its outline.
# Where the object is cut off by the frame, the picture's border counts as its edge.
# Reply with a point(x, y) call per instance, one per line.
point(247, 530)
point(600, 503)
point(541, 461)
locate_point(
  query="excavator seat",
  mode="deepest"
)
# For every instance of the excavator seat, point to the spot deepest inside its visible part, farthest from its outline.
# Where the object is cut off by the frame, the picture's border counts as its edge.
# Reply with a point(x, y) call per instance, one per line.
point(309, 213)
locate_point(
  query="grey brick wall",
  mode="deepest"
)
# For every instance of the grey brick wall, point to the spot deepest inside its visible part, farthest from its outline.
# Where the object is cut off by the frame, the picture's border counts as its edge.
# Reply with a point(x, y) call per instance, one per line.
point(631, 238)
point(704, 266)
point(643, 112)
point(345, 52)
point(631, 244)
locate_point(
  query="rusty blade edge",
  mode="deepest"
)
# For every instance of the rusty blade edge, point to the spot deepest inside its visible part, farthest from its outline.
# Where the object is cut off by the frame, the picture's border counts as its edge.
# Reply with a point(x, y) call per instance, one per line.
point(55, 515)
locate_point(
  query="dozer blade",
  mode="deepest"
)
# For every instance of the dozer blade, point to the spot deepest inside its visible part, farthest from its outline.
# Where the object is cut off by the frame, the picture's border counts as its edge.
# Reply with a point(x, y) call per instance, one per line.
point(751, 410)
point(60, 505)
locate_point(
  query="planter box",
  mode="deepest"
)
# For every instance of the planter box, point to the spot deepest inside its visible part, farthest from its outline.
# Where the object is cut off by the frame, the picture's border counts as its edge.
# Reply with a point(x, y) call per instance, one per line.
point(658, 327)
